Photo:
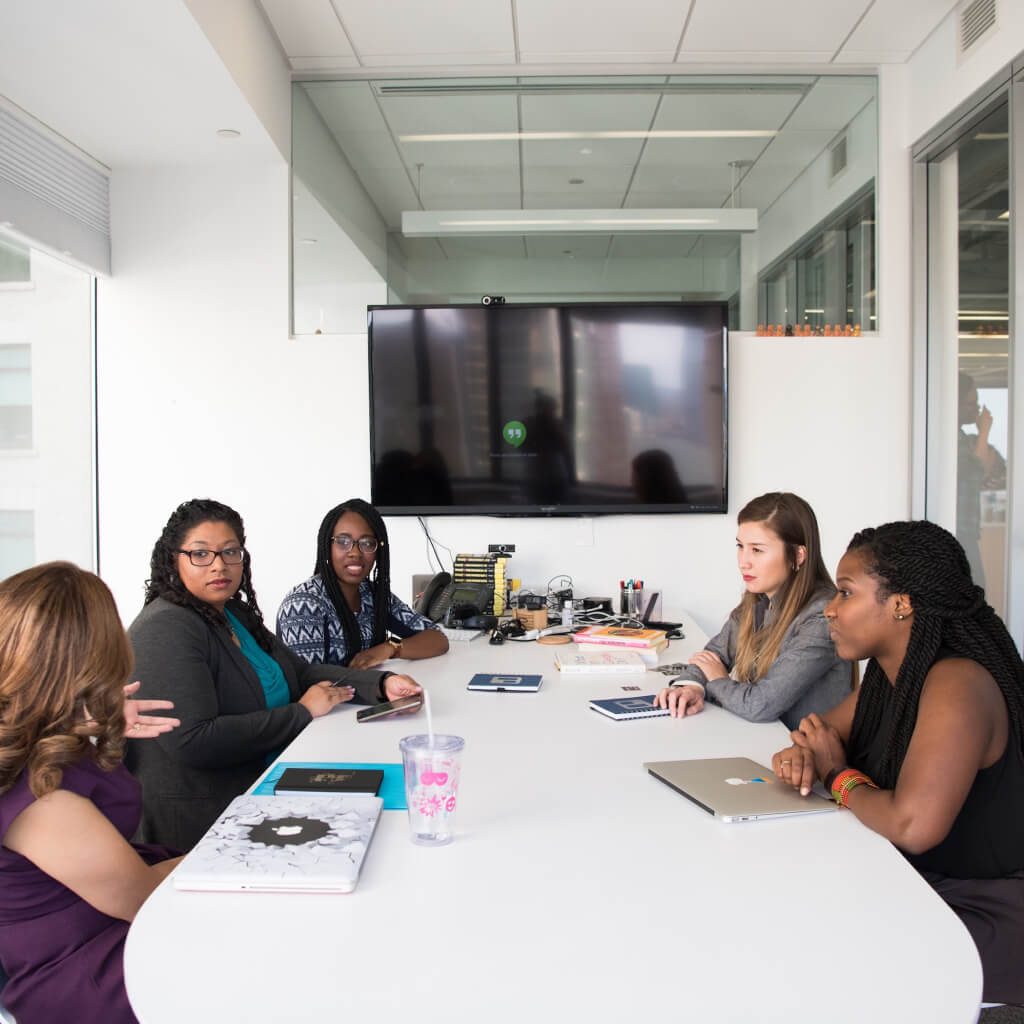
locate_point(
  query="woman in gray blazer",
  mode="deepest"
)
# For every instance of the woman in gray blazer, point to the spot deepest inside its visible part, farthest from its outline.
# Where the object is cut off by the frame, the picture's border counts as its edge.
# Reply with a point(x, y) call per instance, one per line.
point(773, 658)
point(240, 694)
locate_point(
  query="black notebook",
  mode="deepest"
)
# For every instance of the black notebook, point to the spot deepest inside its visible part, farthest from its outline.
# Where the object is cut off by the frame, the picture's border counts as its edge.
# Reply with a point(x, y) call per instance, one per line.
point(329, 780)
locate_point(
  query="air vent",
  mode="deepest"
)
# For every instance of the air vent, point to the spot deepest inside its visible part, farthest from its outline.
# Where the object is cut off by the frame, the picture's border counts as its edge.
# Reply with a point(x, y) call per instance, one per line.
point(837, 156)
point(977, 19)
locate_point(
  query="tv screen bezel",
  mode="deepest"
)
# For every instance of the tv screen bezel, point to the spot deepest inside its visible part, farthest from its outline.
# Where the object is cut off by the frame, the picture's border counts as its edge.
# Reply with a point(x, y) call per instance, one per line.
point(555, 511)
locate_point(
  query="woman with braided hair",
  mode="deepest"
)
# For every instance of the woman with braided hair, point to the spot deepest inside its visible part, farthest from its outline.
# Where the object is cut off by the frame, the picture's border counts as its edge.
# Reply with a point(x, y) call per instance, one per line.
point(241, 695)
point(343, 614)
point(929, 751)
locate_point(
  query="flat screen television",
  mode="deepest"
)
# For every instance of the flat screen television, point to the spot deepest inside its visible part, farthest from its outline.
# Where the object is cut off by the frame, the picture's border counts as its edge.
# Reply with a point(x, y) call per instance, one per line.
point(548, 410)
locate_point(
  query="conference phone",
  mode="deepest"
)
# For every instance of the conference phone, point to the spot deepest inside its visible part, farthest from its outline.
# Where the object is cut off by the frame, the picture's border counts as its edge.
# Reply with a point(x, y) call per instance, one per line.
point(456, 603)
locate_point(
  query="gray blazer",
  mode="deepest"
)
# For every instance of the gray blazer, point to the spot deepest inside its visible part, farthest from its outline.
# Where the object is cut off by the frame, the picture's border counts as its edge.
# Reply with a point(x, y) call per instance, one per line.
point(807, 675)
point(227, 733)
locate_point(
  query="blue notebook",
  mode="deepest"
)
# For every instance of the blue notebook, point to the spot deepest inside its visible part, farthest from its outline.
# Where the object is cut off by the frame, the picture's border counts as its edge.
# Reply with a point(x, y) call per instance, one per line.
point(508, 683)
point(392, 789)
point(621, 708)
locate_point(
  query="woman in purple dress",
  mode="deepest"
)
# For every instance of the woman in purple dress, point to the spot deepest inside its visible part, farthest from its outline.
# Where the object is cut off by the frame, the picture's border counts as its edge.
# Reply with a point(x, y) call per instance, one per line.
point(70, 880)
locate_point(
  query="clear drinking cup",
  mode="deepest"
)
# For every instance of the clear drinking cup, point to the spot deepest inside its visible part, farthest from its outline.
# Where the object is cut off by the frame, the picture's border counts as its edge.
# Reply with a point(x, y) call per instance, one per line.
point(432, 786)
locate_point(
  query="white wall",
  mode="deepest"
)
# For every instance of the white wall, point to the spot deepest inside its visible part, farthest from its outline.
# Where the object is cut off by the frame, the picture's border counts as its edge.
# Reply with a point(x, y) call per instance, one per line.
point(202, 393)
point(815, 195)
point(939, 83)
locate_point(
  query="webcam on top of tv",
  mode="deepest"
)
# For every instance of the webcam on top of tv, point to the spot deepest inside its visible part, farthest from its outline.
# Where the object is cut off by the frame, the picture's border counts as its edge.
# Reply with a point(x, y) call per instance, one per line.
point(492, 300)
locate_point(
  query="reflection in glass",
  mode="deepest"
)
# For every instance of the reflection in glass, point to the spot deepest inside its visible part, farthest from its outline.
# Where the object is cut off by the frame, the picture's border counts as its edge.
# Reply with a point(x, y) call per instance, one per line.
point(982, 352)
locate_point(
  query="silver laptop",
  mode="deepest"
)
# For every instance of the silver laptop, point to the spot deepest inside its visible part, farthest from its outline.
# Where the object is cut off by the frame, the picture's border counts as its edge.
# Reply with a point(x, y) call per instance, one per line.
point(297, 843)
point(735, 789)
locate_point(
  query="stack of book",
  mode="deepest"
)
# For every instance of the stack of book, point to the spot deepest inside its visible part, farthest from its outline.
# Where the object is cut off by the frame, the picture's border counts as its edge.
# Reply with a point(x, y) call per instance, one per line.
point(489, 569)
point(648, 643)
point(585, 659)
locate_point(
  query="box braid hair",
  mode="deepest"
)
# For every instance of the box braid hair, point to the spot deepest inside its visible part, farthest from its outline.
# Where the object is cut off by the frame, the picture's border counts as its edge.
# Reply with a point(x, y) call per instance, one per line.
point(950, 614)
point(165, 582)
point(380, 579)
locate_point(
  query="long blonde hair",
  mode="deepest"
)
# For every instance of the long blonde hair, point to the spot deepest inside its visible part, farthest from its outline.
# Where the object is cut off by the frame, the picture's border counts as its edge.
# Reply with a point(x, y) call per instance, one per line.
point(64, 658)
point(793, 521)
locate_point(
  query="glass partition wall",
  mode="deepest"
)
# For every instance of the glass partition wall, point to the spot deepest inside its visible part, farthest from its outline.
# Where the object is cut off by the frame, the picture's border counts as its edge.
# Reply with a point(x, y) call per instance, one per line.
point(967, 201)
point(619, 188)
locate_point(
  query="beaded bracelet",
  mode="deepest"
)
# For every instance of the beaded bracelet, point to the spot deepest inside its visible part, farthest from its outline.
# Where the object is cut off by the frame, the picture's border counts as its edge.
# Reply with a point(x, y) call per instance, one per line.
point(847, 781)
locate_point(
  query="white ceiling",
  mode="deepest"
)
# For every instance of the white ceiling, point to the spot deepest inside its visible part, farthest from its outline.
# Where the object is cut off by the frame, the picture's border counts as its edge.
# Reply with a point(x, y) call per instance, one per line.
point(357, 57)
point(402, 35)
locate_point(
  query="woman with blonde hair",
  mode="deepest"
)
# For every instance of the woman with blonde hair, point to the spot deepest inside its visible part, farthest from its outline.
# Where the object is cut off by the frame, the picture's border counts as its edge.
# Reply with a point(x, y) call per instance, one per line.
point(70, 880)
point(773, 658)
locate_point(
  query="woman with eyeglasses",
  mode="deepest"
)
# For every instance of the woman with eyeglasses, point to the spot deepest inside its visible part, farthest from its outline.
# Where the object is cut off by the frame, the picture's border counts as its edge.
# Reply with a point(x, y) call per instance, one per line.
point(345, 613)
point(241, 695)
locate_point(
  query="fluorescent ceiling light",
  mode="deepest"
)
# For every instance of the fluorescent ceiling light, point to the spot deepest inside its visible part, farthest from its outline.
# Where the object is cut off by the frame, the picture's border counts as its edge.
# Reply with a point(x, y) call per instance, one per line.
point(431, 223)
point(752, 133)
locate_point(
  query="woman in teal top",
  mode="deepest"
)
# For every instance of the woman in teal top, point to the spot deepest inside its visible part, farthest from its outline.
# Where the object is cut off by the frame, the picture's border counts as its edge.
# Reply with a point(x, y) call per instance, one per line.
point(241, 695)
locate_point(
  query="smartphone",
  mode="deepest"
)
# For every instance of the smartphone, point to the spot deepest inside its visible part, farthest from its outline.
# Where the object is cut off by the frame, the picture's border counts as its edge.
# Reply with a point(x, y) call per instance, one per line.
point(393, 707)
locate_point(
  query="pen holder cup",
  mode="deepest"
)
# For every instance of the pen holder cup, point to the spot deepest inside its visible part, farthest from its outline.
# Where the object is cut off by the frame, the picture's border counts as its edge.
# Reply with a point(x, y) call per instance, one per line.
point(631, 602)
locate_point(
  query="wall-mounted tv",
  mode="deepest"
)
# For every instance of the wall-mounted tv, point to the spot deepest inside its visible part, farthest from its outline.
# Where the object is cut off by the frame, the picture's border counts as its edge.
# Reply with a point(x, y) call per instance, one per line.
point(548, 410)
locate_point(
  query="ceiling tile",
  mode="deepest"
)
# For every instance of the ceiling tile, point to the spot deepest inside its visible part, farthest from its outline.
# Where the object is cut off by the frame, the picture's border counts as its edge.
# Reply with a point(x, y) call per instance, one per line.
point(451, 31)
point(308, 28)
point(898, 26)
point(581, 155)
point(756, 27)
point(474, 248)
point(832, 104)
point(449, 114)
point(577, 200)
point(345, 106)
point(580, 247)
point(747, 111)
point(324, 63)
point(553, 179)
point(559, 30)
point(597, 111)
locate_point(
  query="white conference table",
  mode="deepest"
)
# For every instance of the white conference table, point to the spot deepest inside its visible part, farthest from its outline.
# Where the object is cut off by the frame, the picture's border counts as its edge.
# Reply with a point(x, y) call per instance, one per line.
point(577, 888)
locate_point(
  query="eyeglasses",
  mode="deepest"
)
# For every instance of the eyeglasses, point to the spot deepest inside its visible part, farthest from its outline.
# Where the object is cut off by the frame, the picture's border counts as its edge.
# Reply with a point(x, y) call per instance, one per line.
point(201, 557)
point(366, 544)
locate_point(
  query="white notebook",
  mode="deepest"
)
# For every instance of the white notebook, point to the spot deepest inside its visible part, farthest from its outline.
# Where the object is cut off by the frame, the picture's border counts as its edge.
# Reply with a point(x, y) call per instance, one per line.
point(295, 843)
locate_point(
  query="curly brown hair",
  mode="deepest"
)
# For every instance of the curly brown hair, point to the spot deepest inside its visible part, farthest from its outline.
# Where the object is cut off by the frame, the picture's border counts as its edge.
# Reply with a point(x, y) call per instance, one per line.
point(64, 660)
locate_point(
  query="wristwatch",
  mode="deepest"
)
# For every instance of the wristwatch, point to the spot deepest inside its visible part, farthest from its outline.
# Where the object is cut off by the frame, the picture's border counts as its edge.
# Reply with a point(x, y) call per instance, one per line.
point(396, 646)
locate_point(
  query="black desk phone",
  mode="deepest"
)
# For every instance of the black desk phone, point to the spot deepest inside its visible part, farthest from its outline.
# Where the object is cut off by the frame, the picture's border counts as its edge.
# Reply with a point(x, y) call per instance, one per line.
point(448, 602)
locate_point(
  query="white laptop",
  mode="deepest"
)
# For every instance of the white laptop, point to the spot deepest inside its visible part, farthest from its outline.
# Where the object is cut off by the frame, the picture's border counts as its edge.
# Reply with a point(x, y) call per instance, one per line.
point(736, 789)
point(297, 843)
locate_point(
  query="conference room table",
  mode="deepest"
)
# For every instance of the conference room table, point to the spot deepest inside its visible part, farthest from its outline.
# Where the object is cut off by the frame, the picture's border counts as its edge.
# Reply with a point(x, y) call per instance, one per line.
point(578, 887)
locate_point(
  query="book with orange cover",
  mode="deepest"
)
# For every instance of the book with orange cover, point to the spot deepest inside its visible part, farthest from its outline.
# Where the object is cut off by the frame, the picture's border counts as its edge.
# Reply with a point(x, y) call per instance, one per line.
point(620, 636)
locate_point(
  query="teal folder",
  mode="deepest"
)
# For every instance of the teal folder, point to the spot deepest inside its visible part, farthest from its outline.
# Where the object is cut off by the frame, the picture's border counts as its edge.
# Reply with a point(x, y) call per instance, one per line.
point(392, 789)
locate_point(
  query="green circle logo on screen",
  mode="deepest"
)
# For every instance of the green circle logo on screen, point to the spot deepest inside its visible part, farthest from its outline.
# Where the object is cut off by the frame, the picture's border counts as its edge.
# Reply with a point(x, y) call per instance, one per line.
point(514, 432)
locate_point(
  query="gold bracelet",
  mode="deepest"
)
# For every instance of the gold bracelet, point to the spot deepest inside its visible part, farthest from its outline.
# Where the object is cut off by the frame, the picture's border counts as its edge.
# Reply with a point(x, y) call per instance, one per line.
point(396, 647)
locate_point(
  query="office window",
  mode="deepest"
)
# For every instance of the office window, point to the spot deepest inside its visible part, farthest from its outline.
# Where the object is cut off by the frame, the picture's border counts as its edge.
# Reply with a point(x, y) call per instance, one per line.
point(15, 396)
point(47, 434)
point(17, 541)
point(828, 276)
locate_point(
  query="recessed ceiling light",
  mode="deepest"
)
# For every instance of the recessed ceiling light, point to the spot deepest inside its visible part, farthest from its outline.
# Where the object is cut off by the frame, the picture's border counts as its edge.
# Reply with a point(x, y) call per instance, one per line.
point(227, 133)
point(575, 181)
point(309, 241)
point(586, 151)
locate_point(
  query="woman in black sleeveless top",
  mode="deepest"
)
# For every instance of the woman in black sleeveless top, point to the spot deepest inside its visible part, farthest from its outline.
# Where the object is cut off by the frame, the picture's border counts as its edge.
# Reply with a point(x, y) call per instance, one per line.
point(929, 751)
